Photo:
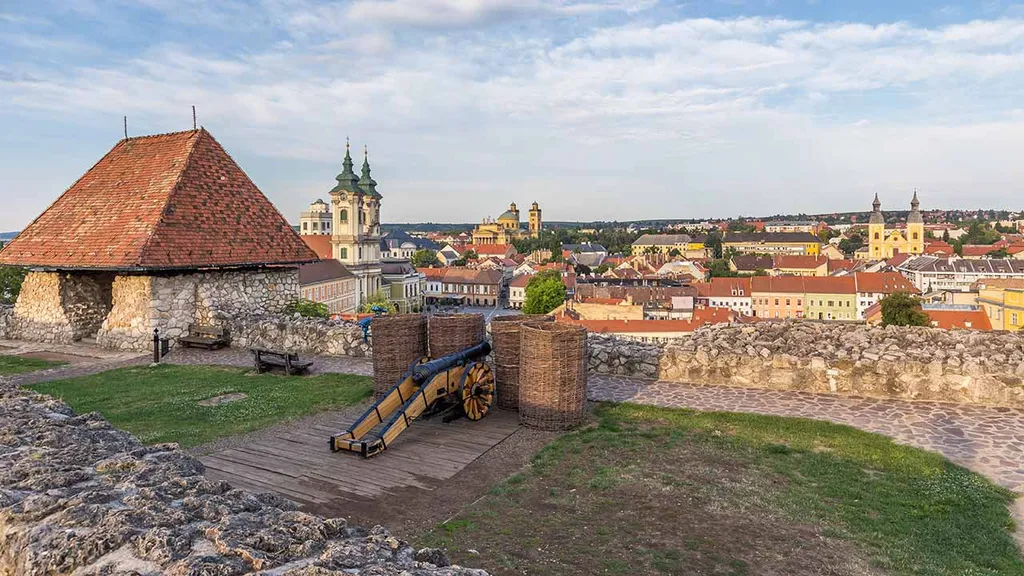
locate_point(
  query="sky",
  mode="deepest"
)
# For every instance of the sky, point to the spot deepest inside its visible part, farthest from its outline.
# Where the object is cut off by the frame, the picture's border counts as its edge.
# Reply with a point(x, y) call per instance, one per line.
point(596, 109)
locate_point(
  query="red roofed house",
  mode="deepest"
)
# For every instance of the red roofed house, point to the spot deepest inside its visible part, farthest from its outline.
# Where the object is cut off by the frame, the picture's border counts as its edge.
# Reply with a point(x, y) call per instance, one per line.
point(653, 330)
point(164, 231)
point(947, 317)
point(731, 293)
point(483, 250)
point(873, 286)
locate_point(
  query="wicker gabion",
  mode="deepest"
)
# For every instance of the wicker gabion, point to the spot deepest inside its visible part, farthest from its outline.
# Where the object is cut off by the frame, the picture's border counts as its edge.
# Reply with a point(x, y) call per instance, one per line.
point(454, 332)
point(398, 341)
point(505, 337)
point(552, 375)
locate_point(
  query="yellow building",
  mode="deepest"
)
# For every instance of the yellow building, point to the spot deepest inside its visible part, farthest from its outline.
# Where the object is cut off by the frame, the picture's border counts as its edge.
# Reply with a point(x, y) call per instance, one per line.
point(687, 246)
point(1002, 299)
point(772, 243)
point(507, 227)
point(884, 243)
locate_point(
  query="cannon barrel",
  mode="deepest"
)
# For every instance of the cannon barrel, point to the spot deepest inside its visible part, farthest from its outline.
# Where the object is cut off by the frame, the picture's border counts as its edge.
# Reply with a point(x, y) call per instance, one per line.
point(428, 370)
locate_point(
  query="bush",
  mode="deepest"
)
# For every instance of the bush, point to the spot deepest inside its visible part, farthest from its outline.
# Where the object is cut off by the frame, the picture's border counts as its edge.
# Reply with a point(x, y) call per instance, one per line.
point(308, 308)
point(11, 278)
point(544, 293)
point(902, 309)
point(381, 300)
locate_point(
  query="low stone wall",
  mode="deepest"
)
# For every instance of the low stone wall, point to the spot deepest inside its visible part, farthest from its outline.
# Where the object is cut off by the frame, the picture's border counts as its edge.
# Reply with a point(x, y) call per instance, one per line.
point(86, 300)
point(907, 363)
point(297, 334)
point(77, 495)
point(39, 314)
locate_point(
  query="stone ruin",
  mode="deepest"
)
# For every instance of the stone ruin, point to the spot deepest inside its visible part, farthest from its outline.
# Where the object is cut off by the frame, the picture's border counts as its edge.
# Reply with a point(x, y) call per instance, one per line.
point(79, 496)
point(910, 363)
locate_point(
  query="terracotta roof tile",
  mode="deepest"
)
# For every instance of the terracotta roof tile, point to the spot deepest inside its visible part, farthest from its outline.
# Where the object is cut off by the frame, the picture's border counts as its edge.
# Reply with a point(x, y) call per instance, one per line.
point(799, 262)
point(722, 287)
point(321, 244)
point(949, 319)
point(884, 283)
point(170, 201)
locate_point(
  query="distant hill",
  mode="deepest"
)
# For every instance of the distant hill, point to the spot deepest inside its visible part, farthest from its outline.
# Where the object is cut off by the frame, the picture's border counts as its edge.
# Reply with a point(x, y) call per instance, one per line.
point(7, 235)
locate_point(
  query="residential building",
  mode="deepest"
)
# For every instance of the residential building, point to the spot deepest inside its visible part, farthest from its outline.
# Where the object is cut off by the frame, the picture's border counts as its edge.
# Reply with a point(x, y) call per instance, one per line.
point(588, 254)
point(800, 243)
point(329, 282)
point(316, 221)
point(685, 270)
point(687, 246)
point(356, 225)
point(320, 244)
point(884, 242)
point(433, 283)
point(403, 284)
point(750, 263)
point(652, 331)
point(873, 286)
point(517, 290)
point(792, 265)
point(731, 293)
point(484, 250)
point(930, 273)
point(777, 296)
point(471, 287)
point(794, 226)
point(945, 316)
point(399, 244)
point(448, 255)
point(508, 227)
point(832, 252)
point(831, 298)
point(1002, 299)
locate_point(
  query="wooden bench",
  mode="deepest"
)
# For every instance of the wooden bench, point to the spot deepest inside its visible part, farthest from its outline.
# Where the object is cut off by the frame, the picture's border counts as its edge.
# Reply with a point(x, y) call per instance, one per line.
point(209, 337)
point(265, 359)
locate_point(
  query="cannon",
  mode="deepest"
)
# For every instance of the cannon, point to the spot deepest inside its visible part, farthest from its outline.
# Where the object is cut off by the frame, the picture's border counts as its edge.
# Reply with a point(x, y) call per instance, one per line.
point(456, 385)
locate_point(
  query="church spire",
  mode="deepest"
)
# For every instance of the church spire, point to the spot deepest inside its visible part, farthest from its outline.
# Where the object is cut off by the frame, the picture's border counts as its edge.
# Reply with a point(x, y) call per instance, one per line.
point(915, 210)
point(366, 182)
point(347, 180)
point(876, 213)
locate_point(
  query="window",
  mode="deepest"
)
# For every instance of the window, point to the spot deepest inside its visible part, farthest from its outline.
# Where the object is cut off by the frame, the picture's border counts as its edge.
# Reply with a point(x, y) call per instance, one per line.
point(305, 225)
point(799, 302)
point(915, 235)
point(344, 253)
point(788, 302)
point(776, 303)
point(344, 216)
point(1013, 318)
point(876, 235)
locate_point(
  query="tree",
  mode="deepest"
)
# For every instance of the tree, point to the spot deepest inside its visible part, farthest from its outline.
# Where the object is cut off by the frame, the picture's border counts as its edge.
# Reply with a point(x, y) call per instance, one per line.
point(714, 242)
point(902, 309)
point(602, 268)
point(308, 308)
point(851, 244)
point(469, 255)
point(377, 302)
point(720, 269)
point(945, 236)
point(11, 278)
point(1000, 253)
point(582, 270)
point(675, 253)
point(544, 293)
point(424, 258)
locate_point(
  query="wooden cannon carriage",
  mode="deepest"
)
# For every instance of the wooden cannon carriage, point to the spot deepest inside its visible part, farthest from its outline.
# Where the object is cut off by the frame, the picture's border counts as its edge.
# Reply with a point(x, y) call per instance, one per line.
point(452, 386)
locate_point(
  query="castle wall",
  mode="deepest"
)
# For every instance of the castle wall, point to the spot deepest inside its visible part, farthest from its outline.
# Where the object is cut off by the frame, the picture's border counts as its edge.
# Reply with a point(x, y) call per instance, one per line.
point(39, 314)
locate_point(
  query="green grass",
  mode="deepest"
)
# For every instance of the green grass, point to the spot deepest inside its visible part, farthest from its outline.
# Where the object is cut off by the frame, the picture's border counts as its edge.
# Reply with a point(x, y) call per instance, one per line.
point(723, 493)
point(160, 404)
point(18, 365)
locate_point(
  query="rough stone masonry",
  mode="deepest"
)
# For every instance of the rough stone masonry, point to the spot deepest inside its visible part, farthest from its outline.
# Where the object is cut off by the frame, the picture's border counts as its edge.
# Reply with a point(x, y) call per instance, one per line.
point(964, 366)
point(79, 496)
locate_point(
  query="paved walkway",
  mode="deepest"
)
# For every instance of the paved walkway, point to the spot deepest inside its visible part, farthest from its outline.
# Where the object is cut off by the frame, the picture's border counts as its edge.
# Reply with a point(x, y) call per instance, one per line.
point(83, 359)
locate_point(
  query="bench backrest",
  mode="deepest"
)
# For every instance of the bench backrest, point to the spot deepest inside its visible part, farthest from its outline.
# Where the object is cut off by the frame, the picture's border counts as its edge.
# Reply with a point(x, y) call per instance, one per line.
point(208, 331)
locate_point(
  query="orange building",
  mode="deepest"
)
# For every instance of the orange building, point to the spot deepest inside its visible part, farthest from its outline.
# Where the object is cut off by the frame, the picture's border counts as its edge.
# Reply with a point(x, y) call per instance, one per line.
point(777, 297)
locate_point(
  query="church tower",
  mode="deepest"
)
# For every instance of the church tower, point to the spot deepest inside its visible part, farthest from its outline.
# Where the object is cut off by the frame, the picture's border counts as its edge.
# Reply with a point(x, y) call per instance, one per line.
point(535, 221)
point(915, 227)
point(355, 205)
point(876, 232)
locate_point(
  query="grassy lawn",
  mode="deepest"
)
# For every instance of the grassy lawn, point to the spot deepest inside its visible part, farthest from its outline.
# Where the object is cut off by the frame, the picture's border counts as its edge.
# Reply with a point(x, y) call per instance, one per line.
point(160, 404)
point(17, 365)
point(659, 491)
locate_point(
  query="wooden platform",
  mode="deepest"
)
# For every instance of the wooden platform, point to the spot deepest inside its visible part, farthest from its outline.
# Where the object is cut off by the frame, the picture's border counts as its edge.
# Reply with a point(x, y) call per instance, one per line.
point(300, 465)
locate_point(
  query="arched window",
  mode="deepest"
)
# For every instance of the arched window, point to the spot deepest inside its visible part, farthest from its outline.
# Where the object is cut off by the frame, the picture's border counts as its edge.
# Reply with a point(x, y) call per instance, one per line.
point(876, 235)
point(915, 235)
point(344, 253)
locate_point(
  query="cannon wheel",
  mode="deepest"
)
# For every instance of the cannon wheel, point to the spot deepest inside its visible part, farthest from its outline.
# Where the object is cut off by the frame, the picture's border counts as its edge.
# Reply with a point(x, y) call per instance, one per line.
point(477, 388)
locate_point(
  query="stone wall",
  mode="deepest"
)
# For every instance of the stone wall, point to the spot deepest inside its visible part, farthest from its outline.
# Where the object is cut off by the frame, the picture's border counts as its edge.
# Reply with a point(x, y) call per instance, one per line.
point(6, 318)
point(77, 495)
point(907, 363)
point(297, 334)
point(171, 302)
point(39, 315)
point(86, 299)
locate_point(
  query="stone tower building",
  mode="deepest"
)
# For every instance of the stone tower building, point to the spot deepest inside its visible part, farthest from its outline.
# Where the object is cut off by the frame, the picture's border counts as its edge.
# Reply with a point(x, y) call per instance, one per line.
point(535, 222)
point(355, 206)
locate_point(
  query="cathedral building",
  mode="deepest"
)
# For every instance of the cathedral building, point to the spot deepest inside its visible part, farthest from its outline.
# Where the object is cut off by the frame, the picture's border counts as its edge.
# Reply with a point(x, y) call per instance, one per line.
point(884, 242)
point(507, 227)
point(355, 211)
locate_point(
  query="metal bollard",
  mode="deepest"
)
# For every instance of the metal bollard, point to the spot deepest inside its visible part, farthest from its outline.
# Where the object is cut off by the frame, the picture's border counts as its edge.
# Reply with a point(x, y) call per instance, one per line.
point(156, 345)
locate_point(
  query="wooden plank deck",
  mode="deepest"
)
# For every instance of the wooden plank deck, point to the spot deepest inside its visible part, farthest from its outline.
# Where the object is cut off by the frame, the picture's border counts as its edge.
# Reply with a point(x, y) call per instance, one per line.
point(299, 465)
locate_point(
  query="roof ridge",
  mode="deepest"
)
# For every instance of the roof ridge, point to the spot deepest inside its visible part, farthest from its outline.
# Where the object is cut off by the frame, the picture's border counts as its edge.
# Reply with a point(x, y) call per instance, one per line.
point(162, 134)
point(170, 194)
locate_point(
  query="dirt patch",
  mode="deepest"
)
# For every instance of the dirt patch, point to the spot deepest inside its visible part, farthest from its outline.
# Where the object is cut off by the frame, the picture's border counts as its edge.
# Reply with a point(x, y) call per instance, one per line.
point(56, 357)
point(223, 399)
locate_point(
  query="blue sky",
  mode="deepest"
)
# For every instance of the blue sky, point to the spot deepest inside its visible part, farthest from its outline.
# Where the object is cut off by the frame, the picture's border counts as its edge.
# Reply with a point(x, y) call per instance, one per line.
point(597, 109)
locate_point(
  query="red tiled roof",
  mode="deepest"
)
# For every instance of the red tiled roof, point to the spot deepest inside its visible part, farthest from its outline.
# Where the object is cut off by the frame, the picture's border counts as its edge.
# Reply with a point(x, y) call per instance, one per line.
point(834, 265)
point(170, 201)
point(520, 281)
point(780, 284)
point(977, 249)
point(322, 271)
point(1004, 283)
point(898, 259)
point(432, 273)
point(596, 300)
point(884, 283)
point(701, 316)
point(722, 287)
point(321, 244)
point(1015, 249)
point(490, 249)
point(799, 262)
point(950, 319)
point(830, 285)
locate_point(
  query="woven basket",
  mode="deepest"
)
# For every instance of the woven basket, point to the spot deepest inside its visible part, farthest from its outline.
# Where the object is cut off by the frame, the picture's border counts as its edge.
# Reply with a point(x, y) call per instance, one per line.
point(451, 333)
point(552, 375)
point(505, 336)
point(398, 341)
